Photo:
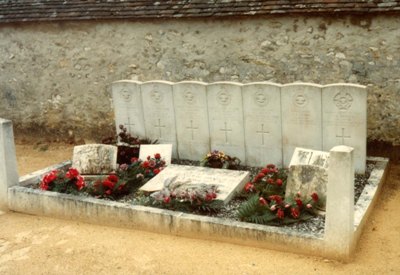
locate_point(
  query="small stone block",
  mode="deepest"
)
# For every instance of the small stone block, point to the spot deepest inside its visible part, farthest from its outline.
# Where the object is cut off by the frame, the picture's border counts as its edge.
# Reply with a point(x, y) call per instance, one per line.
point(228, 181)
point(303, 156)
point(165, 150)
point(95, 159)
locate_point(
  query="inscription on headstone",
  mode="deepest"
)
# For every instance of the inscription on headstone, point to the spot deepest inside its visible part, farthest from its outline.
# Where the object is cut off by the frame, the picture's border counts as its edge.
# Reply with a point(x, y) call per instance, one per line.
point(159, 113)
point(301, 118)
point(302, 156)
point(128, 109)
point(262, 116)
point(344, 114)
point(190, 99)
point(225, 114)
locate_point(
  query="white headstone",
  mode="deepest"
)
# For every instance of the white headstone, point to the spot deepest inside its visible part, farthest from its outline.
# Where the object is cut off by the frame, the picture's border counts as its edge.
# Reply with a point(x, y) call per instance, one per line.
point(225, 112)
point(95, 159)
point(303, 156)
point(339, 219)
point(262, 120)
point(159, 113)
point(128, 109)
point(228, 181)
point(165, 150)
point(344, 114)
point(8, 161)
point(301, 118)
point(190, 100)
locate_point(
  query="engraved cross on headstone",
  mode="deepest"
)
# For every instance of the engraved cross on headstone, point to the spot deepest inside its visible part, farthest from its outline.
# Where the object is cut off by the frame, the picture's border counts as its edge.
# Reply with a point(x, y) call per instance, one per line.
point(343, 136)
point(226, 130)
point(129, 125)
point(192, 128)
point(159, 126)
point(262, 132)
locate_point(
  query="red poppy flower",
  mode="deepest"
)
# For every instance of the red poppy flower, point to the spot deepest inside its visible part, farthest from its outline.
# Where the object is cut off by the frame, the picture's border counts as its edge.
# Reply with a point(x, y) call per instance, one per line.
point(249, 187)
point(299, 203)
point(108, 192)
point(156, 171)
point(262, 201)
point(157, 156)
point(260, 175)
point(50, 177)
point(167, 199)
point(72, 173)
point(279, 182)
point(113, 178)
point(280, 214)
point(294, 211)
point(314, 197)
point(265, 171)
point(80, 183)
point(108, 184)
point(145, 164)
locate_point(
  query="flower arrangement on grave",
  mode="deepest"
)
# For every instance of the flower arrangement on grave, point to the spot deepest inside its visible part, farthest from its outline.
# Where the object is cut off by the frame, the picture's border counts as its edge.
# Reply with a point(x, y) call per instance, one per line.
point(277, 210)
point(63, 181)
point(185, 196)
point(128, 178)
point(269, 181)
point(266, 203)
point(218, 159)
point(128, 145)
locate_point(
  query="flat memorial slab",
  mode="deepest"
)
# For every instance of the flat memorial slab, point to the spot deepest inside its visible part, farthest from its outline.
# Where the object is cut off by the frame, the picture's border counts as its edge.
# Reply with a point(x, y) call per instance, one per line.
point(228, 181)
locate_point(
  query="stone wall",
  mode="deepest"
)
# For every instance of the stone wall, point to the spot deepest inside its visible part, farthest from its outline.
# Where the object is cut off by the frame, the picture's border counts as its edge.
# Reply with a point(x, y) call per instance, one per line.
point(55, 77)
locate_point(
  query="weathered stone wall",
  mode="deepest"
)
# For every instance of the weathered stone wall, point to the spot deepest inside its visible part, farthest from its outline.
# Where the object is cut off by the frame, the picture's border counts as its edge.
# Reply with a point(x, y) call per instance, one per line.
point(54, 77)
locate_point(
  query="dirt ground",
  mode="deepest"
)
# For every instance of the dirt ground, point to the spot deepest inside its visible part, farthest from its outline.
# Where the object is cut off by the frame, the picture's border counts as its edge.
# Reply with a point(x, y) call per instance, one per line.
point(39, 245)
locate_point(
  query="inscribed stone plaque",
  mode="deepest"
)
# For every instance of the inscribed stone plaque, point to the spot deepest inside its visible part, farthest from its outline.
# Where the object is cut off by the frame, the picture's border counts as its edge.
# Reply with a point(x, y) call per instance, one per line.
point(95, 159)
point(302, 156)
point(301, 118)
point(225, 112)
point(228, 181)
point(128, 109)
point(159, 114)
point(262, 120)
point(344, 114)
point(307, 179)
point(165, 150)
point(190, 101)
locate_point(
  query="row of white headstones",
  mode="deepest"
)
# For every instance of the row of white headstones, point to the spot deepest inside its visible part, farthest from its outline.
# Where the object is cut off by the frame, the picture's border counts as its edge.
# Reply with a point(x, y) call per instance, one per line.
point(258, 122)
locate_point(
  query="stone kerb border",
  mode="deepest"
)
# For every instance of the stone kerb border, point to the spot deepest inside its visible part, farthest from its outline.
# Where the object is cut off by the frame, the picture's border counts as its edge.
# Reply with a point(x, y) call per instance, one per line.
point(258, 122)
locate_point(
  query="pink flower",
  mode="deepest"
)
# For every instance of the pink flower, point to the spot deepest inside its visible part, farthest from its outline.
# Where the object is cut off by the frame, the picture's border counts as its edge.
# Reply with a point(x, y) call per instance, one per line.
point(309, 206)
point(72, 173)
point(273, 207)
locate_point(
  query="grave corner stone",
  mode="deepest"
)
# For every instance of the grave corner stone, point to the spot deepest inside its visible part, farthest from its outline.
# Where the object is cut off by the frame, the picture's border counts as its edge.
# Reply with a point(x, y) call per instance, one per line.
point(301, 118)
point(263, 123)
point(8, 161)
point(159, 113)
point(95, 159)
point(193, 136)
point(225, 112)
point(339, 219)
point(128, 109)
point(344, 119)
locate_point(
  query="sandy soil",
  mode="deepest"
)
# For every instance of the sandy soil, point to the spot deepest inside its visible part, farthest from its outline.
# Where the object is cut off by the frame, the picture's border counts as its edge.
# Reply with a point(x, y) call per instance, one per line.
point(39, 245)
